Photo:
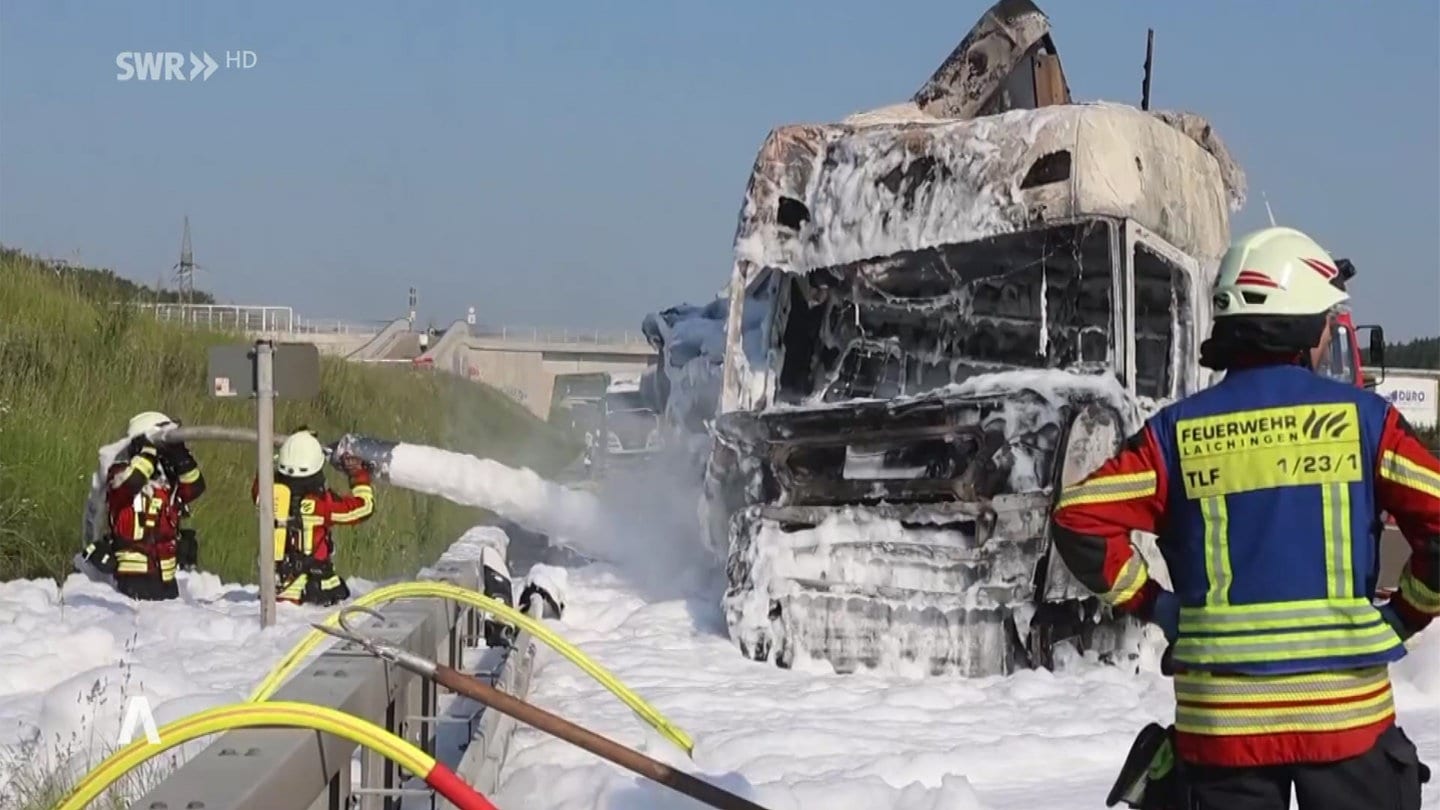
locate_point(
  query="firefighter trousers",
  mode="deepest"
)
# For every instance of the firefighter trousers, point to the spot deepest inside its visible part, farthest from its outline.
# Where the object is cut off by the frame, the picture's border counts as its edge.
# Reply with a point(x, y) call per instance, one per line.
point(1387, 777)
point(144, 571)
point(310, 582)
point(147, 587)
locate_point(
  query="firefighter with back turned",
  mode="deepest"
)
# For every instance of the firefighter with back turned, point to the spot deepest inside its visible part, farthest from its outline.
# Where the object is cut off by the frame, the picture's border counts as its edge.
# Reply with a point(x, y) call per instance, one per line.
point(306, 514)
point(1265, 491)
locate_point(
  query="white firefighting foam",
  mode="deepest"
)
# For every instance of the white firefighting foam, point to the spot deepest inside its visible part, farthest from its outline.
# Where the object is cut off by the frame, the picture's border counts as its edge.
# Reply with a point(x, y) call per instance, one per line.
point(645, 522)
point(71, 656)
point(520, 495)
point(789, 739)
point(792, 739)
point(969, 206)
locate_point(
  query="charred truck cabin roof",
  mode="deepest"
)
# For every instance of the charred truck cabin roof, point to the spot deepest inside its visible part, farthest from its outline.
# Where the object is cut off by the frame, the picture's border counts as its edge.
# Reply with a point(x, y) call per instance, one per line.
point(993, 231)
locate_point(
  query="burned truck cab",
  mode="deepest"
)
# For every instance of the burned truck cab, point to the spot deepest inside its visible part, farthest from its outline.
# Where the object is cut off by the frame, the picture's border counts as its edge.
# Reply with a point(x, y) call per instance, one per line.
point(934, 324)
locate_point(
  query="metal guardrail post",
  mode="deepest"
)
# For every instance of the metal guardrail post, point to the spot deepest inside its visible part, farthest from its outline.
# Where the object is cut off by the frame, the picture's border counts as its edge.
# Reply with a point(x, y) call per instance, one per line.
point(492, 731)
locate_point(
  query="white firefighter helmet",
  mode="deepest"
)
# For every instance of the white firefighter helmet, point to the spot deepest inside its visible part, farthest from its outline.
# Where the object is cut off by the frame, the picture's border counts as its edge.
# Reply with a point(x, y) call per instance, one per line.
point(147, 423)
point(300, 455)
point(1276, 271)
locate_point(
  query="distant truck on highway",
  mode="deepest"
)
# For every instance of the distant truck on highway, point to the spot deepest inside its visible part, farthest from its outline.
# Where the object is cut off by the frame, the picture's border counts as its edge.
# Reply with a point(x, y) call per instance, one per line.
point(610, 411)
point(631, 421)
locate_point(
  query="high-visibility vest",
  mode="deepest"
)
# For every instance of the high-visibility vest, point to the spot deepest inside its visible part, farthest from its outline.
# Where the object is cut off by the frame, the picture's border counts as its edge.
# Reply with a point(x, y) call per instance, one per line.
point(148, 510)
point(1271, 532)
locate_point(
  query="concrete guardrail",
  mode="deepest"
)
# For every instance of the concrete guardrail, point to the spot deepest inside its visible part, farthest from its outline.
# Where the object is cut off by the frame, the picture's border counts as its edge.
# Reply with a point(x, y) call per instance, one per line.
point(271, 769)
point(489, 739)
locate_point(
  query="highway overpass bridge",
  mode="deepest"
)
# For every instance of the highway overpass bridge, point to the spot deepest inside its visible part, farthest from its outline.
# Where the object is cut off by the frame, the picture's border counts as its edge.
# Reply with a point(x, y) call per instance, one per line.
point(524, 362)
point(520, 361)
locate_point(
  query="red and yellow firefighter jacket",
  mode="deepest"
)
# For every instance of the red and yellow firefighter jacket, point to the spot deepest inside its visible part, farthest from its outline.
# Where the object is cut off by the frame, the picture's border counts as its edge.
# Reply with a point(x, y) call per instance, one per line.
point(144, 513)
point(1265, 492)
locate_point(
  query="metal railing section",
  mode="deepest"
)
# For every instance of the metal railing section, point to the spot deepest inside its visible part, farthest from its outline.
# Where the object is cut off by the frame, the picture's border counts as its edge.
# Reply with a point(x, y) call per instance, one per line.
point(250, 318)
point(283, 320)
point(264, 769)
point(530, 334)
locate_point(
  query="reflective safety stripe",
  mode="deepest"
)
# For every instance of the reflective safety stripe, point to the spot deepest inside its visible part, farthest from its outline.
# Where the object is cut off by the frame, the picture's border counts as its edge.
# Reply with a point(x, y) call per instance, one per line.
point(1096, 490)
point(1273, 704)
point(1217, 549)
point(1220, 633)
point(1421, 597)
point(190, 477)
point(1335, 508)
point(167, 568)
point(308, 525)
point(1204, 688)
point(1265, 647)
point(293, 591)
point(367, 496)
point(1128, 582)
point(137, 521)
point(145, 515)
point(131, 562)
point(1250, 720)
point(142, 464)
point(1312, 614)
point(1407, 473)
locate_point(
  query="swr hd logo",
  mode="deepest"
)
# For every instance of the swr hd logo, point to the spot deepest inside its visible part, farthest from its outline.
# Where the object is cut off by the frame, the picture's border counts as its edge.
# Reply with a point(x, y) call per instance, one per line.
point(171, 66)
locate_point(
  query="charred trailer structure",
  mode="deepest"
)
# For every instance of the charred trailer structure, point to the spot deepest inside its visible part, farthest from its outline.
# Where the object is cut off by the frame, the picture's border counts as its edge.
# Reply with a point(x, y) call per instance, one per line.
point(970, 299)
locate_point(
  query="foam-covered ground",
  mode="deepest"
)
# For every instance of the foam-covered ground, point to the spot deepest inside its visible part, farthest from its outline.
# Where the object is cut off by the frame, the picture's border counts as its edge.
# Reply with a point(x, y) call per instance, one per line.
point(794, 739)
point(788, 739)
point(71, 656)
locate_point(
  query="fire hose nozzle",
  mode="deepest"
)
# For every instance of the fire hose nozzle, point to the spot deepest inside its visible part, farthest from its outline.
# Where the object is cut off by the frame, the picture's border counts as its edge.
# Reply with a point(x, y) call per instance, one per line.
point(374, 452)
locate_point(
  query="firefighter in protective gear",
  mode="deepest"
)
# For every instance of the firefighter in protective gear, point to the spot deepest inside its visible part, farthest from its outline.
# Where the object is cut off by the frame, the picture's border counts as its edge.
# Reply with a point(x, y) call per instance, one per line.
point(147, 487)
point(306, 512)
point(1265, 491)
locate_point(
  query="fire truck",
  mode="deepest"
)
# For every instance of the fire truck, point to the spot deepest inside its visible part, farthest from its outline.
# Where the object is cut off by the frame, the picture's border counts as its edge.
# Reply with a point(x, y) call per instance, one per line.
point(1343, 361)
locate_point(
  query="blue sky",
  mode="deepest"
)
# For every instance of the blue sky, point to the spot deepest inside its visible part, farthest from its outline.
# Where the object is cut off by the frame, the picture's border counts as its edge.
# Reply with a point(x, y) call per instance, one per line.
point(583, 163)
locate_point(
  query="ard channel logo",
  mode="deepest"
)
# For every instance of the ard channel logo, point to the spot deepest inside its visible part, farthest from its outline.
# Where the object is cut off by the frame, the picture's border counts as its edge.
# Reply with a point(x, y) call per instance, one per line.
point(138, 714)
point(178, 66)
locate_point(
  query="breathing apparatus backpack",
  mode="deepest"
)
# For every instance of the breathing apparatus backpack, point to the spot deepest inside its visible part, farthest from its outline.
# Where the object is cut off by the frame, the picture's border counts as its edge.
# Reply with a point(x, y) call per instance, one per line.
point(292, 511)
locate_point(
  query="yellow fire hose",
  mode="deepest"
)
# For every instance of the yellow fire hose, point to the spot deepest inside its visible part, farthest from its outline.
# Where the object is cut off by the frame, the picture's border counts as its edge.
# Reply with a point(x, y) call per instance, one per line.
point(283, 714)
point(259, 711)
point(500, 610)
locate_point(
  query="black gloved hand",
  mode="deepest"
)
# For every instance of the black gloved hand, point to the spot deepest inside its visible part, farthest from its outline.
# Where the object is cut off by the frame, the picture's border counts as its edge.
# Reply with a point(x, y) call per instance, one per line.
point(187, 550)
point(140, 444)
point(176, 458)
point(101, 554)
point(174, 450)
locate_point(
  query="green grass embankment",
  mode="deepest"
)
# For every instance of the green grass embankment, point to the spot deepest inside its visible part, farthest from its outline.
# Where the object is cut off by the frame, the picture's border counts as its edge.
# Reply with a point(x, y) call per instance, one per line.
point(73, 370)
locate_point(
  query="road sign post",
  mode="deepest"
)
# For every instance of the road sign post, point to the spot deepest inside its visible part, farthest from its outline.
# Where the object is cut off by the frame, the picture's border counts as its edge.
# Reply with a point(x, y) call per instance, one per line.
point(265, 474)
point(265, 372)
